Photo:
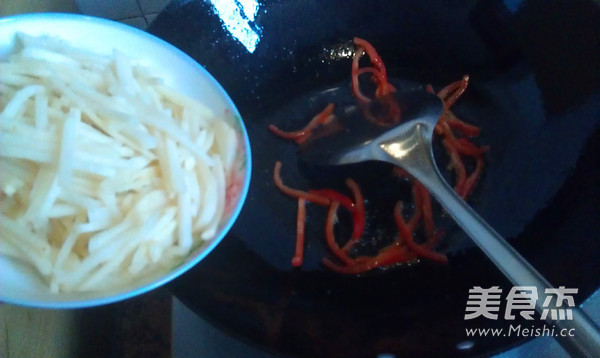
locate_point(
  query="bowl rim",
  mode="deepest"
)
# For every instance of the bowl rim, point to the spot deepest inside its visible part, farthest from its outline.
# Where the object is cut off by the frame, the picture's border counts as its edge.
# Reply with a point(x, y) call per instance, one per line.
point(189, 261)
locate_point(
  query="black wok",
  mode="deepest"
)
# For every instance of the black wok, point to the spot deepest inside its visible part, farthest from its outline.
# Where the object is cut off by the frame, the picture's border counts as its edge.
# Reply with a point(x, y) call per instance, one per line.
point(535, 92)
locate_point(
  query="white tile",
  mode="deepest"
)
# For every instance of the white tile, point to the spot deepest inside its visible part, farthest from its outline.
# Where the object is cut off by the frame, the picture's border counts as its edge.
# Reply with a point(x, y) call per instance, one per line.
point(152, 6)
point(150, 18)
point(138, 22)
point(110, 9)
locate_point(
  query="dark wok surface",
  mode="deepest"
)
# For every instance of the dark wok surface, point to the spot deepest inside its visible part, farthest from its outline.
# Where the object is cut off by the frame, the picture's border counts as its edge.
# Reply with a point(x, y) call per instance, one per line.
point(535, 92)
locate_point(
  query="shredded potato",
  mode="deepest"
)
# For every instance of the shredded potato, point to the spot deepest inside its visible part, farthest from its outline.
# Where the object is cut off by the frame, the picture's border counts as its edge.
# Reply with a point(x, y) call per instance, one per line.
point(105, 172)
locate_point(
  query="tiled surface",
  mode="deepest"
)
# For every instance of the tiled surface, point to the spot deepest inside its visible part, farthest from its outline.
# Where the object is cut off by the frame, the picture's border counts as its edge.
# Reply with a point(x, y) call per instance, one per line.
point(138, 22)
point(152, 6)
point(150, 18)
point(137, 13)
point(110, 9)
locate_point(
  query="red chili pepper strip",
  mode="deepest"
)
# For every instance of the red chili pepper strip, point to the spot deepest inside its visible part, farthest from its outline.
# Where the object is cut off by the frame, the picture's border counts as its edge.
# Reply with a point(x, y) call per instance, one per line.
point(358, 214)
point(390, 255)
point(427, 211)
point(458, 92)
point(474, 177)
point(393, 111)
point(333, 195)
point(439, 128)
point(378, 71)
point(373, 56)
point(453, 91)
point(330, 236)
point(457, 164)
point(420, 250)
point(447, 91)
point(379, 76)
point(465, 128)
point(383, 85)
point(348, 270)
point(418, 213)
point(467, 148)
point(324, 117)
point(355, 73)
point(300, 223)
point(462, 145)
point(395, 253)
point(295, 193)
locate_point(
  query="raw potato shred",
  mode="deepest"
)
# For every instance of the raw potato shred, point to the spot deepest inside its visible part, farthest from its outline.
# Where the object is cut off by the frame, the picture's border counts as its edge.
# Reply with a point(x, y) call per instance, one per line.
point(106, 174)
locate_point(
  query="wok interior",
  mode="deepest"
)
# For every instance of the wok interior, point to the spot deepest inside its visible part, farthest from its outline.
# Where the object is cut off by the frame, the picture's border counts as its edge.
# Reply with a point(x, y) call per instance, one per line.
point(534, 92)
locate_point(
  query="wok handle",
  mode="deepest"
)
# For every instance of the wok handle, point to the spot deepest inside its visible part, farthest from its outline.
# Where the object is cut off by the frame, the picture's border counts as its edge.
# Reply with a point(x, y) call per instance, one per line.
point(419, 162)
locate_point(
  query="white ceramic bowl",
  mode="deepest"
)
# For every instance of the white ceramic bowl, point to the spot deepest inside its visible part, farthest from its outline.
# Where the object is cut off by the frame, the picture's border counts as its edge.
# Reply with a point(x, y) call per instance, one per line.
point(19, 283)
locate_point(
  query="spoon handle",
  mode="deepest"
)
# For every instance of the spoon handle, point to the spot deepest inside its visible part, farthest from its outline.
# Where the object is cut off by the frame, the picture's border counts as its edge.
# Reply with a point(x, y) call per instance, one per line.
point(585, 338)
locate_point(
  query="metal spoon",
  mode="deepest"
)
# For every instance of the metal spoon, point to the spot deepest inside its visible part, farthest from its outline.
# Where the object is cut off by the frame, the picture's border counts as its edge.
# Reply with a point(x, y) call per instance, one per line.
point(352, 139)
